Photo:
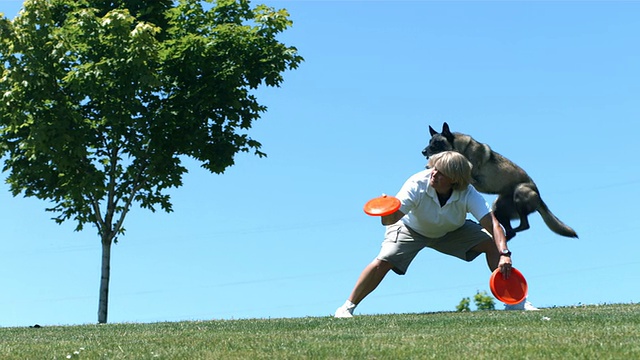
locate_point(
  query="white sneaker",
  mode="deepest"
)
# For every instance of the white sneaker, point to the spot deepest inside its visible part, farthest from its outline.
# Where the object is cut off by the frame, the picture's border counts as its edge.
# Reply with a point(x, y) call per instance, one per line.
point(345, 311)
point(524, 305)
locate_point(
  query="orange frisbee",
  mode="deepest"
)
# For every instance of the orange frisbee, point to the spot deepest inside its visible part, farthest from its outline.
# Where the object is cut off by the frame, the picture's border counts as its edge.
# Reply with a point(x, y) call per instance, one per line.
point(510, 291)
point(382, 206)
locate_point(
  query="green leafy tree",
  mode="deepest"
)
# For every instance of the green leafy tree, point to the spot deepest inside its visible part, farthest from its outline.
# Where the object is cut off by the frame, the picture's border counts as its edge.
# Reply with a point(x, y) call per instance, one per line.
point(101, 101)
point(484, 301)
point(480, 299)
point(463, 306)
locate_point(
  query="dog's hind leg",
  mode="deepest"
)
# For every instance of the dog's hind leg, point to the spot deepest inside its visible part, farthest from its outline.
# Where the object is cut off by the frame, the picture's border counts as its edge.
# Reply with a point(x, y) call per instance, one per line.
point(524, 223)
point(503, 209)
point(526, 200)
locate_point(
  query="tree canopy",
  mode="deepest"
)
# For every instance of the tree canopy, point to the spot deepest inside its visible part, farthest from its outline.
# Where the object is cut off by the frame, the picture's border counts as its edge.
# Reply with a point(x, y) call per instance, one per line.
point(100, 101)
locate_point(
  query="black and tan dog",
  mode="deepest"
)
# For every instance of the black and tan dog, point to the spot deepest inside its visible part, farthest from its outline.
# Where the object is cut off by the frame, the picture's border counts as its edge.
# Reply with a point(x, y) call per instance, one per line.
point(492, 173)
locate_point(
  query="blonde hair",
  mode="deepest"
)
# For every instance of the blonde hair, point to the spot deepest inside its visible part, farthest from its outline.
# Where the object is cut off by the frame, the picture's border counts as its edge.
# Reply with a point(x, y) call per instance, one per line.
point(454, 165)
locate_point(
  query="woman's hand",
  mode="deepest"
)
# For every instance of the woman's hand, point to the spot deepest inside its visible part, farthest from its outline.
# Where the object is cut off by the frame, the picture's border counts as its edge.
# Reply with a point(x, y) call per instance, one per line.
point(392, 218)
point(505, 266)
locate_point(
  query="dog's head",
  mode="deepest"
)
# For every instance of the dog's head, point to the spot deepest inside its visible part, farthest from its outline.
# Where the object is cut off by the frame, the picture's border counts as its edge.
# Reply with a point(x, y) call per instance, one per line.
point(439, 142)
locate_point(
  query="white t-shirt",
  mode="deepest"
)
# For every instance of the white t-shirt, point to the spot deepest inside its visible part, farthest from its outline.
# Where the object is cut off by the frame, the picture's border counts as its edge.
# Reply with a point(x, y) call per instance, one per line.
point(424, 214)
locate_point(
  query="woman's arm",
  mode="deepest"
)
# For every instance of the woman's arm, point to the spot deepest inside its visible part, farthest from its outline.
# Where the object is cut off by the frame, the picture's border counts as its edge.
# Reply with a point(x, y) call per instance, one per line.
point(491, 224)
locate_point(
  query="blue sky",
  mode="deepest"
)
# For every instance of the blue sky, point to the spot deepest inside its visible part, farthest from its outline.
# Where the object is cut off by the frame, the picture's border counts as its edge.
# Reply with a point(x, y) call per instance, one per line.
point(554, 86)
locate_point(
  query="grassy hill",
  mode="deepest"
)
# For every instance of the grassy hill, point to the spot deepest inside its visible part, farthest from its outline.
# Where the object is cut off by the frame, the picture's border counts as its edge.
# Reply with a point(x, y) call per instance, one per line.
point(585, 332)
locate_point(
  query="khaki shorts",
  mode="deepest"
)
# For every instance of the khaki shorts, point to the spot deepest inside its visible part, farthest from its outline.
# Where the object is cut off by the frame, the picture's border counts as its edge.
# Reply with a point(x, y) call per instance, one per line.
point(401, 244)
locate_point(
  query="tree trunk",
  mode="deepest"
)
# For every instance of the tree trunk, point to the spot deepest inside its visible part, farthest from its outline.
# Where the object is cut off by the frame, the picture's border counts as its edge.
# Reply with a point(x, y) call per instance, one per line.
point(103, 304)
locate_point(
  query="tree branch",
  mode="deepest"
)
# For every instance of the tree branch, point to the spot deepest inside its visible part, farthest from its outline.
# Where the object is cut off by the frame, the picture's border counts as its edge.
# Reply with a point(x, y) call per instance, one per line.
point(126, 207)
point(99, 221)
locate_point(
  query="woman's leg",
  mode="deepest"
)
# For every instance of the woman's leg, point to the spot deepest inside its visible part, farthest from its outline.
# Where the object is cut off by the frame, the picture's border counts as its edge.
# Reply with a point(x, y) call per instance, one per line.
point(490, 251)
point(369, 279)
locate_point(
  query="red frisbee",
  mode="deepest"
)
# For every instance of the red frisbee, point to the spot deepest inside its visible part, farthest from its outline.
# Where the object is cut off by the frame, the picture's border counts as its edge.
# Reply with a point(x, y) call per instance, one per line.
point(382, 206)
point(510, 291)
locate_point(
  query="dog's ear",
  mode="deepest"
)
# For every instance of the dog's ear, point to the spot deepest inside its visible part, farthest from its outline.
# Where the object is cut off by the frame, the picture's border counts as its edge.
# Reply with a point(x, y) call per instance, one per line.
point(447, 133)
point(445, 128)
point(431, 131)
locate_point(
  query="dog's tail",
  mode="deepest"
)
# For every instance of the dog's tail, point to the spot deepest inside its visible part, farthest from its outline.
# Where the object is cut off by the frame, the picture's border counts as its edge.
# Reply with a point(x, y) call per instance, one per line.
point(554, 223)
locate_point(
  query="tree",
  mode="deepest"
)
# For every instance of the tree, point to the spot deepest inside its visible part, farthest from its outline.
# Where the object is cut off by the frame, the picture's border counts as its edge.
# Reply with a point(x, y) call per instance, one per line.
point(463, 306)
point(481, 300)
point(102, 100)
point(484, 301)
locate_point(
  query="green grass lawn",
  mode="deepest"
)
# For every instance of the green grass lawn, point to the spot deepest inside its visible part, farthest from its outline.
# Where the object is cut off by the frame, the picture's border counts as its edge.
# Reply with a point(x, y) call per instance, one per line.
point(585, 332)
